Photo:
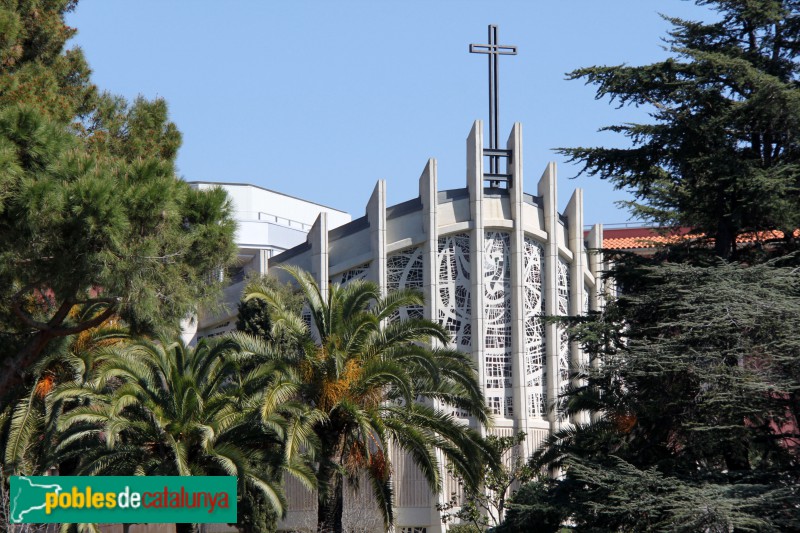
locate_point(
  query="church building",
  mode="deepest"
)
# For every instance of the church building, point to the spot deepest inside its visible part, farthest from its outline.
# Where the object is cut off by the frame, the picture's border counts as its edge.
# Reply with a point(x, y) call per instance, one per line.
point(491, 260)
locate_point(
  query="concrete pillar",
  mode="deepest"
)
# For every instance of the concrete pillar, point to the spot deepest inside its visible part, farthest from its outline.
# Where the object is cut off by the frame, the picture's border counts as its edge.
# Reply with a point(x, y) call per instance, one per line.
point(595, 244)
point(376, 215)
point(515, 189)
point(430, 227)
point(548, 190)
point(475, 187)
point(318, 238)
point(577, 288)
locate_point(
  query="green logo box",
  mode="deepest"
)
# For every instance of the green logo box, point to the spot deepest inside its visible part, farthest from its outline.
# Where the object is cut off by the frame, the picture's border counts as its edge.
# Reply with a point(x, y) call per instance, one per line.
point(122, 499)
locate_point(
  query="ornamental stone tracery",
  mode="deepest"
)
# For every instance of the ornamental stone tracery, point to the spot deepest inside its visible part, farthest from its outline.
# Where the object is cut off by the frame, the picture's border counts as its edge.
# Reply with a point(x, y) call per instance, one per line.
point(525, 260)
point(497, 319)
point(359, 272)
point(454, 308)
point(535, 360)
point(587, 289)
point(404, 270)
point(563, 336)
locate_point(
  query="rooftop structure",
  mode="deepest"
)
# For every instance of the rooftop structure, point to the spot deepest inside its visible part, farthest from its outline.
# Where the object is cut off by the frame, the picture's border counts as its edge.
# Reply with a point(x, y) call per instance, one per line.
point(268, 223)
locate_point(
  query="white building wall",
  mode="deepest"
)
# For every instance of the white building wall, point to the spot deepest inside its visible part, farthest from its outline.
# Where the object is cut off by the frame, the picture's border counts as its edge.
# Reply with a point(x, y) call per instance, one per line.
point(267, 223)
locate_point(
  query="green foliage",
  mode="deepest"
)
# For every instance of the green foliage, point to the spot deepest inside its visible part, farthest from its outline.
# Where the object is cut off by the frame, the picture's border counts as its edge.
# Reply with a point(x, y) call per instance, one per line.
point(535, 508)
point(464, 528)
point(721, 155)
point(28, 431)
point(254, 514)
point(254, 315)
point(91, 212)
point(35, 70)
point(131, 132)
point(164, 409)
point(694, 384)
point(484, 506)
point(253, 319)
point(697, 404)
point(369, 380)
point(76, 229)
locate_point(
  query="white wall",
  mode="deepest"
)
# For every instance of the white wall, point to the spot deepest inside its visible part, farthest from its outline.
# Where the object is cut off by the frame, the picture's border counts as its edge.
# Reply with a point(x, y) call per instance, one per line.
point(270, 219)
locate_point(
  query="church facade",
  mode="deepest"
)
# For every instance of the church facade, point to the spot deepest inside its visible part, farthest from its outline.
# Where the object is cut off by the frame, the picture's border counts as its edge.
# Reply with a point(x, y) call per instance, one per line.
point(491, 260)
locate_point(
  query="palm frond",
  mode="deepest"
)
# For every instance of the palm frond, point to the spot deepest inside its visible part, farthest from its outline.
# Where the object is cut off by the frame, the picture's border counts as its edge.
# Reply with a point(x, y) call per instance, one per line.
point(280, 391)
point(26, 421)
point(383, 493)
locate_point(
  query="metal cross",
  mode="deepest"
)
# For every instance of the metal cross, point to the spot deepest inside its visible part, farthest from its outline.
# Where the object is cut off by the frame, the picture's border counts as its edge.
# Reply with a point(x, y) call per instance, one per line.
point(493, 50)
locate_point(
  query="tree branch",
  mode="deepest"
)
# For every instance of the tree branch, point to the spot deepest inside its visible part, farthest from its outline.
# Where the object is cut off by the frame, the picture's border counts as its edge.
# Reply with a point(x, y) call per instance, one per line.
point(14, 368)
point(91, 323)
point(16, 307)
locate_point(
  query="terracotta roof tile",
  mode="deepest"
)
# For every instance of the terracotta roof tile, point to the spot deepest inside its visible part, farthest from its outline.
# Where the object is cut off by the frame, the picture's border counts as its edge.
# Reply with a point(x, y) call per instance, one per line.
point(644, 238)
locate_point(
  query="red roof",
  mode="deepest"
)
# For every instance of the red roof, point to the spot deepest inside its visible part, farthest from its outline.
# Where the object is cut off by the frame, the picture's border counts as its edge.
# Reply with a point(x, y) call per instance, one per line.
point(642, 238)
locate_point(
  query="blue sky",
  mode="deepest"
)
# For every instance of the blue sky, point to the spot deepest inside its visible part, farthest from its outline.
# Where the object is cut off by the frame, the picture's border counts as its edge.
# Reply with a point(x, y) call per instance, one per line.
point(319, 99)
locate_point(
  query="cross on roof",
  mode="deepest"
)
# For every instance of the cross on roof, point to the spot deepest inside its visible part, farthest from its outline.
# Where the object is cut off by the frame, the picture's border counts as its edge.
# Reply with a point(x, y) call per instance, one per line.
point(493, 50)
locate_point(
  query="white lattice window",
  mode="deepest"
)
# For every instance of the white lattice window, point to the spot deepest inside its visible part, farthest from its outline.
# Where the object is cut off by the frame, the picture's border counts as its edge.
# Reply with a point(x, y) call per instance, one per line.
point(459, 413)
point(535, 359)
point(497, 370)
point(305, 315)
point(509, 407)
point(455, 301)
point(404, 270)
point(497, 311)
point(495, 405)
point(537, 403)
point(563, 336)
point(587, 291)
point(359, 272)
point(413, 529)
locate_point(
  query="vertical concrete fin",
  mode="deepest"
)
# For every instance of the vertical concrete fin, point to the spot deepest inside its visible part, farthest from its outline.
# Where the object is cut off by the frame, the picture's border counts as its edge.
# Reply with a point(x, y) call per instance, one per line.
point(428, 196)
point(477, 236)
point(574, 214)
point(263, 262)
point(577, 288)
point(475, 164)
point(376, 216)
point(548, 191)
point(597, 296)
point(595, 258)
point(515, 166)
point(318, 238)
point(520, 393)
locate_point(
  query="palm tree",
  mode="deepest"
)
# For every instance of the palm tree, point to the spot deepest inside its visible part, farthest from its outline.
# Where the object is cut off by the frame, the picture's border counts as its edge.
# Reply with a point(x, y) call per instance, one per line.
point(28, 430)
point(160, 408)
point(373, 380)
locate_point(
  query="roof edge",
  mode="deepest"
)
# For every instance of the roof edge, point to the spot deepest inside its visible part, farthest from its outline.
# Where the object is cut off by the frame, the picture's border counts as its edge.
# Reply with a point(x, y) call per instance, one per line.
point(268, 190)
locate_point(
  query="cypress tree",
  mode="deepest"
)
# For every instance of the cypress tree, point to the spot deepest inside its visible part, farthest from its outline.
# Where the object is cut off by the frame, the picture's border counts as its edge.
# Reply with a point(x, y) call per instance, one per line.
point(697, 400)
point(694, 384)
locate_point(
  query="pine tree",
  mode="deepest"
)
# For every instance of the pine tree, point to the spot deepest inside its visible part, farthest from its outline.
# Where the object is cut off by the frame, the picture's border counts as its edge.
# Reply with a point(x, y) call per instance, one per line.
point(80, 230)
point(722, 155)
point(35, 68)
point(91, 211)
